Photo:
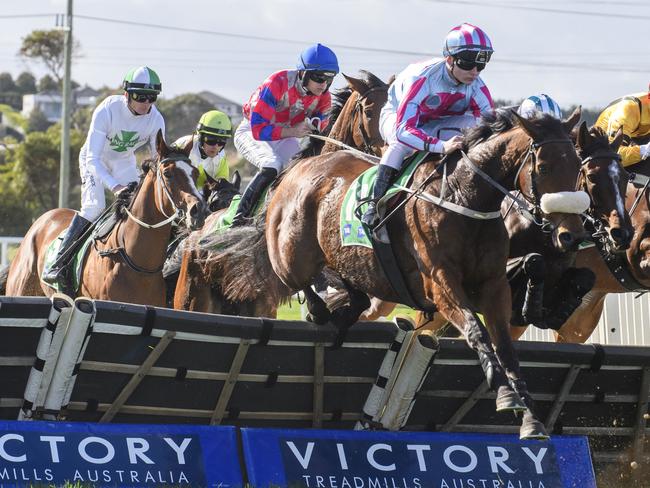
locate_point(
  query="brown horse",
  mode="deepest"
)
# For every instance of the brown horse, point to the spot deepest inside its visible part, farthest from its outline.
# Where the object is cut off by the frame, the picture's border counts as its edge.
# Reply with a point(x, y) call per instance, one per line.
point(125, 266)
point(449, 261)
point(355, 122)
point(636, 261)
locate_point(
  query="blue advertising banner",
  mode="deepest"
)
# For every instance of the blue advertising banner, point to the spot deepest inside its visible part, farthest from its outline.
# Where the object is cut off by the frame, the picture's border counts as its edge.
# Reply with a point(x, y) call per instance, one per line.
point(352, 459)
point(125, 455)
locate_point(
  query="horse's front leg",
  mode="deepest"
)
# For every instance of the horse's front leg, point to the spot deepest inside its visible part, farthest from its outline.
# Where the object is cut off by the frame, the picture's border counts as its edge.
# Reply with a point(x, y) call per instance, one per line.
point(453, 303)
point(496, 305)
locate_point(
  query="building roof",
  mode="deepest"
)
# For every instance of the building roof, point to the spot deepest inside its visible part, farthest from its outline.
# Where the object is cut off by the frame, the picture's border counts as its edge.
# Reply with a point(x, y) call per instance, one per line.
point(215, 99)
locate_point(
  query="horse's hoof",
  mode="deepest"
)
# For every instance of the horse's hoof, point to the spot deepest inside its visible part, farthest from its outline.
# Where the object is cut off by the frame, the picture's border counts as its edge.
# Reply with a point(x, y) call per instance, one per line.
point(316, 319)
point(509, 401)
point(533, 429)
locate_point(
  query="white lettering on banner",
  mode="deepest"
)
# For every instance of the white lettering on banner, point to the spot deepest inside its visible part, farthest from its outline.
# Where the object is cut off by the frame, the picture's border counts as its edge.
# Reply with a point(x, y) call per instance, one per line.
point(137, 448)
point(333, 481)
point(537, 459)
point(371, 457)
point(498, 456)
point(342, 459)
point(493, 483)
point(473, 461)
point(179, 450)
point(54, 449)
point(303, 460)
point(21, 474)
point(5, 455)
point(120, 476)
point(110, 450)
point(418, 448)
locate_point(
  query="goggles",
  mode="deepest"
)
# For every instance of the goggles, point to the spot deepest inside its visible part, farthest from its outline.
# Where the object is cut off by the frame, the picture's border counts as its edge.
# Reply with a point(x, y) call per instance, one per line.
point(214, 140)
point(321, 76)
point(144, 97)
point(468, 60)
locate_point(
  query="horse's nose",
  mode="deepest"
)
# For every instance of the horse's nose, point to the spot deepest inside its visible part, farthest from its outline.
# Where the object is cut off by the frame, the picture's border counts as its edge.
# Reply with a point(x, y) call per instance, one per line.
point(567, 239)
point(197, 215)
point(621, 237)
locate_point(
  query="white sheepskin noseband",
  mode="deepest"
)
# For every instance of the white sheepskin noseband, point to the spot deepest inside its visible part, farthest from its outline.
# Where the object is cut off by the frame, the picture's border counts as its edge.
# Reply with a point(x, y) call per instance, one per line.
point(573, 202)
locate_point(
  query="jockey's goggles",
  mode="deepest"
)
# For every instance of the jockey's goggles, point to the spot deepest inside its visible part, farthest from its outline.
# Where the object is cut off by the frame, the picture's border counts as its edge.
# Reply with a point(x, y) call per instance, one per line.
point(214, 140)
point(144, 97)
point(321, 76)
point(468, 60)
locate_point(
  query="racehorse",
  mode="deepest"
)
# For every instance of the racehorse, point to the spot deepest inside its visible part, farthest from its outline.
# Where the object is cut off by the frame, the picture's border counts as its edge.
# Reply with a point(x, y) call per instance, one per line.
point(449, 261)
point(634, 266)
point(126, 265)
point(354, 121)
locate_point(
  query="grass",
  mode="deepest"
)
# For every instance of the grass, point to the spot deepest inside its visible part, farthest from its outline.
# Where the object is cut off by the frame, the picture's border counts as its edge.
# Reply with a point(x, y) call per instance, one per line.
point(292, 311)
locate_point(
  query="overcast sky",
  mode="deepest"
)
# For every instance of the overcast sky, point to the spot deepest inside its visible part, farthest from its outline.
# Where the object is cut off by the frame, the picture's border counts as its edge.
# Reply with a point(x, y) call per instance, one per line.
point(577, 51)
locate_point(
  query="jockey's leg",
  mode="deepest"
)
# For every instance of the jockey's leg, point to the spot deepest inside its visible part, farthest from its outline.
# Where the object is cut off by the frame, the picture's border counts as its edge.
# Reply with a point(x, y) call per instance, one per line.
point(251, 195)
point(532, 310)
point(77, 227)
point(385, 177)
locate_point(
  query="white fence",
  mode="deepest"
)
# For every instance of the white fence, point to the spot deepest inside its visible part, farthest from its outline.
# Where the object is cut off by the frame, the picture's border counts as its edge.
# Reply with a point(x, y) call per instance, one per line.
point(5, 244)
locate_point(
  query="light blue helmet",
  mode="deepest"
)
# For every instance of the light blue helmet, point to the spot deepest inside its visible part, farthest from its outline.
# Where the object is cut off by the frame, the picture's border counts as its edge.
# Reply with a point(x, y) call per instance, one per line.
point(539, 103)
point(318, 58)
point(468, 37)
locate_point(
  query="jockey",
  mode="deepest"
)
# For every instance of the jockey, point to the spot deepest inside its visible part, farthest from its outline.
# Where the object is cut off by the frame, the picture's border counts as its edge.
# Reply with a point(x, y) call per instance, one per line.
point(289, 105)
point(208, 143)
point(541, 103)
point(120, 124)
point(632, 114)
point(430, 102)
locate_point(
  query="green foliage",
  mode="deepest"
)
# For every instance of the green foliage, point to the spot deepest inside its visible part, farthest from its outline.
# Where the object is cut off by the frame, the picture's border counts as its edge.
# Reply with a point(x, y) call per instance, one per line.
point(46, 47)
point(182, 114)
point(47, 83)
point(10, 114)
point(26, 83)
point(7, 83)
point(37, 121)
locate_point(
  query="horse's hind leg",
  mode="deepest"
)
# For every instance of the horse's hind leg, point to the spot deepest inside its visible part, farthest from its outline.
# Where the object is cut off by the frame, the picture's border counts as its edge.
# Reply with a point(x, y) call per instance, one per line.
point(497, 309)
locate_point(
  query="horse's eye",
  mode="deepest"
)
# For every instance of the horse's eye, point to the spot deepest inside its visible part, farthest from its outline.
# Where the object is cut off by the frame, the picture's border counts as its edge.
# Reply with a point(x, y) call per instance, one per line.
point(168, 173)
point(591, 177)
point(544, 169)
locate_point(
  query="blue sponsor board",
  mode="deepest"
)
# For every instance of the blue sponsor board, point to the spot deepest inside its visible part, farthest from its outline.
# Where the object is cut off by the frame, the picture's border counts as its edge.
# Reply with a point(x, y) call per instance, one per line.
point(51, 453)
point(349, 459)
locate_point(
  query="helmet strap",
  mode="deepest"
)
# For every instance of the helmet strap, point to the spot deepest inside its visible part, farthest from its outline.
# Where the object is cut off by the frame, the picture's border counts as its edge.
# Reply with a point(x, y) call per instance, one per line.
point(451, 71)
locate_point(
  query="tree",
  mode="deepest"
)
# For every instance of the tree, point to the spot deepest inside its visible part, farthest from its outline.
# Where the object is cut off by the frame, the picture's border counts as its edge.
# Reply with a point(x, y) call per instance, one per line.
point(7, 84)
point(47, 83)
point(47, 47)
point(26, 83)
point(37, 121)
point(182, 113)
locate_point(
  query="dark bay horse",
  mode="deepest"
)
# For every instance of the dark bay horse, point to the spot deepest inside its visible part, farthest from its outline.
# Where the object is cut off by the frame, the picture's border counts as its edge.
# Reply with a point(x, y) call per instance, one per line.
point(355, 122)
point(127, 265)
point(636, 261)
point(449, 261)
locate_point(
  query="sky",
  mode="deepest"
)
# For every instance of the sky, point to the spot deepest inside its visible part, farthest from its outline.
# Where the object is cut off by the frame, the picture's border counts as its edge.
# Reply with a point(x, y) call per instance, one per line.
point(586, 52)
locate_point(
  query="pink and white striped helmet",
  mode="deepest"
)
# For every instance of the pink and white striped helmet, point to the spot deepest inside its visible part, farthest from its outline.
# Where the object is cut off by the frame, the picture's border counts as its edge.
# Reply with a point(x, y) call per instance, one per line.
point(467, 37)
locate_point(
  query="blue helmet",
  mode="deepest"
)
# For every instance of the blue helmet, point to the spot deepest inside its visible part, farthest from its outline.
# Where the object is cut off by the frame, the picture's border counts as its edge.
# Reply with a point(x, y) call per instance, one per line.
point(318, 58)
point(539, 103)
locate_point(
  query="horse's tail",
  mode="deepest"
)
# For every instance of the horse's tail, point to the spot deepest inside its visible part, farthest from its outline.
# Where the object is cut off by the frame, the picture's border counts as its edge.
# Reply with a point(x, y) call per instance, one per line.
point(4, 274)
point(240, 258)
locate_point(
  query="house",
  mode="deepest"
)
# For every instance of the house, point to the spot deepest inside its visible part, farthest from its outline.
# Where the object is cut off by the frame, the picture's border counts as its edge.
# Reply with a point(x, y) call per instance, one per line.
point(230, 108)
point(50, 102)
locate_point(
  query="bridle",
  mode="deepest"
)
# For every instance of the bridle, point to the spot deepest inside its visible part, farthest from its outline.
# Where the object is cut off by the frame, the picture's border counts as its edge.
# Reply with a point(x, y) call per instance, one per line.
point(358, 111)
point(161, 188)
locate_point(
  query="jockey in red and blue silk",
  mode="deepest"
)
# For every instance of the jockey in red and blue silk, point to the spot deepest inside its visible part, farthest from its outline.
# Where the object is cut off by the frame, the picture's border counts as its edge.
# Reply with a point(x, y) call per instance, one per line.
point(290, 104)
point(430, 102)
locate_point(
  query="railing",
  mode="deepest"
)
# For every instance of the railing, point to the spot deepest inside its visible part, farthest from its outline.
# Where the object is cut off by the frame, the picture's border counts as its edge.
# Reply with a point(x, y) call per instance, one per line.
point(5, 244)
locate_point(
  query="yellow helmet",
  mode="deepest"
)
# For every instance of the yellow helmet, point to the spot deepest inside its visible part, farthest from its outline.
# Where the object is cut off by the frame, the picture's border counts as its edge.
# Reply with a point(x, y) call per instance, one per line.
point(214, 123)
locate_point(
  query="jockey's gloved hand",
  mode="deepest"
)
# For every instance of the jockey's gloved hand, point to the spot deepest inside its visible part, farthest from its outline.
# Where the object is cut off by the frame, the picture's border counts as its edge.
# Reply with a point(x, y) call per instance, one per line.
point(452, 144)
point(315, 124)
point(645, 150)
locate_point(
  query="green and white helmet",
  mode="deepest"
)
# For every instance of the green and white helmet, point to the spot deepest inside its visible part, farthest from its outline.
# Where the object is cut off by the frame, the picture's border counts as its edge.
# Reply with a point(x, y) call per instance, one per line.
point(142, 79)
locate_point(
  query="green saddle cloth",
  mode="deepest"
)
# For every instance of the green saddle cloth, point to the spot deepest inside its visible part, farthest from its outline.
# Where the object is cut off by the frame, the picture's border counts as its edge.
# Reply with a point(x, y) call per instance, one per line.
point(77, 260)
point(352, 230)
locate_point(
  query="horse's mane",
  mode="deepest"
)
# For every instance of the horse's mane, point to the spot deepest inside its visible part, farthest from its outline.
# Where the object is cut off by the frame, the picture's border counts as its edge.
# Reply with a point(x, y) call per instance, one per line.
point(124, 198)
point(502, 120)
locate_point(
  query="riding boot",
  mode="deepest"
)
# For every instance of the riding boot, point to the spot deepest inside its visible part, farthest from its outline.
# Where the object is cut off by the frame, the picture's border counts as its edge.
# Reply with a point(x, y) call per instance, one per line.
point(77, 227)
point(532, 310)
point(252, 194)
point(385, 177)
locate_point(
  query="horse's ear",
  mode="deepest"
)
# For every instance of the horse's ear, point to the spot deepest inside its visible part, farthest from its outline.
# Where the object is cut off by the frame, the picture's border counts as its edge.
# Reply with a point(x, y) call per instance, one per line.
point(188, 146)
point(583, 136)
point(391, 79)
point(357, 85)
point(618, 139)
point(161, 145)
point(236, 180)
point(526, 124)
point(573, 119)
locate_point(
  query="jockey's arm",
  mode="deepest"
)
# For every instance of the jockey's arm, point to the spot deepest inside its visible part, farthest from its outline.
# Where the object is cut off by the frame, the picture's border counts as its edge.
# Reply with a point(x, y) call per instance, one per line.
point(97, 134)
point(408, 116)
point(263, 110)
